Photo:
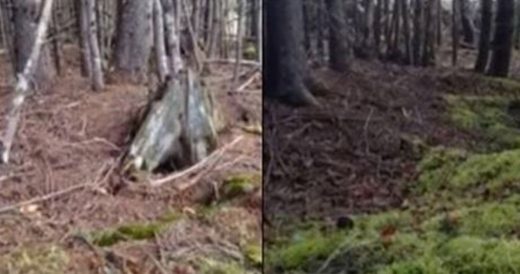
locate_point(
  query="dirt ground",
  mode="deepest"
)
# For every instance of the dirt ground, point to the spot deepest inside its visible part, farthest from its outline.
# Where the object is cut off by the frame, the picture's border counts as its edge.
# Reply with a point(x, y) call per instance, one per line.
point(62, 193)
point(353, 154)
point(341, 180)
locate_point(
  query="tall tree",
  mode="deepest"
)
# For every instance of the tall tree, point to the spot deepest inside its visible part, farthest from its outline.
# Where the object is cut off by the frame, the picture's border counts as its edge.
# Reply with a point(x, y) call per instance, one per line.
point(285, 63)
point(92, 44)
point(338, 48)
point(455, 19)
point(503, 40)
point(468, 27)
point(134, 37)
point(418, 31)
point(26, 16)
point(485, 35)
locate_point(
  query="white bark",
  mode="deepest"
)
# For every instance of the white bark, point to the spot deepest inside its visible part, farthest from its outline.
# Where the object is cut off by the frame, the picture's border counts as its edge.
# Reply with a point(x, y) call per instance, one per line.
point(22, 84)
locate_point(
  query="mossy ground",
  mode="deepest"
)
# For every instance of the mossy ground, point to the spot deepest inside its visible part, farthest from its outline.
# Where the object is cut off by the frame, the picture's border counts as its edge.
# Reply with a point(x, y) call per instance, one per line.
point(461, 216)
point(35, 260)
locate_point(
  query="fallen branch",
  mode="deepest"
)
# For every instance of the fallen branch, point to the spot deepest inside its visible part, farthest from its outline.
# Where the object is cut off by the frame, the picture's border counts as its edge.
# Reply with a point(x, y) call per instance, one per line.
point(247, 83)
point(234, 61)
point(212, 157)
point(62, 192)
point(44, 198)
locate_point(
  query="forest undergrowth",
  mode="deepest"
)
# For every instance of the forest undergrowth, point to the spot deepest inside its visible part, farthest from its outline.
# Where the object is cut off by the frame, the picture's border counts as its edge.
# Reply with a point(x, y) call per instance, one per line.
point(66, 207)
point(402, 170)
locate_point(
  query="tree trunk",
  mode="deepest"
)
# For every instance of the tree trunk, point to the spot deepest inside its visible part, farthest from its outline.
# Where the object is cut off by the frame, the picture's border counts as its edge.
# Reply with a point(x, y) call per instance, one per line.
point(428, 55)
point(455, 32)
point(96, 75)
point(418, 32)
point(134, 38)
point(406, 31)
point(86, 65)
point(377, 27)
point(468, 28)
point(285, 62)
point(172, 37)
point(338, 48)
point(438, 22)
point(26, 16)
point(503, 40)
point(485, 36)
point(163, 70)
point(31, 65)
point(239, 40)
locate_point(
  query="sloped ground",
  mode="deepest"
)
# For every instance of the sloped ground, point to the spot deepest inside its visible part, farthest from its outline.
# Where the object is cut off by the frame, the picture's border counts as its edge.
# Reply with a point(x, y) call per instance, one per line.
point(404, 170)
point(65, 207)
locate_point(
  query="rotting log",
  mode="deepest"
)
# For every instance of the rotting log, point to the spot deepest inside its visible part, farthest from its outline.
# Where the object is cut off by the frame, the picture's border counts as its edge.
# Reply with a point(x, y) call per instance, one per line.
point(180, 126)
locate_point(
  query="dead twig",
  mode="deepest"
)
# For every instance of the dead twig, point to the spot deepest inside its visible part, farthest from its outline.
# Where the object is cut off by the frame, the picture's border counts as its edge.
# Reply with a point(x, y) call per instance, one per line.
point(247, 82)
point(212, 157)
point(47, 197)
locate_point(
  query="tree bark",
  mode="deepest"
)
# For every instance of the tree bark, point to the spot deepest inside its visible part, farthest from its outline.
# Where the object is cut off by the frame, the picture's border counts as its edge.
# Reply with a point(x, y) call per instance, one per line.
point(134, 38)
point(26, 14)
point(96, 75)
point(485, 36)
point(172, 37)
point(338, 48)
point(180, 127)
point(163, 70)
point(455, 31)
point(503, 40)
point(468, 28)
point(31, 66)
point(285, 65)
point(418, 32)
point(406, 31)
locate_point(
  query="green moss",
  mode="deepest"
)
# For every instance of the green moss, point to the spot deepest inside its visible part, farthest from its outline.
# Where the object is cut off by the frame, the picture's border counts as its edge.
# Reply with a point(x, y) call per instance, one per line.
point(211, 266)
point(488, 116)
point(417, 244)
point(135, 231)
point(240, 184)
point(437, 167)
point(127, 232)
point(448, 169)
point(468, 254)
point(494, 219)
point(35, 260)
point(250, 51)
point(505, 85)
point(305, 247)
point(253, 253)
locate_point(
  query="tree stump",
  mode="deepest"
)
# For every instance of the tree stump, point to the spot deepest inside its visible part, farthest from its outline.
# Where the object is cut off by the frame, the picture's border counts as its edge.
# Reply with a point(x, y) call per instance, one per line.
point(179, 128)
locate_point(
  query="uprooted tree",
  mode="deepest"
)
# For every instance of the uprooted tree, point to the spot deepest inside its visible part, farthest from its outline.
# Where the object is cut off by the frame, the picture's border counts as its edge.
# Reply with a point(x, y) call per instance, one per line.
point(180, 124)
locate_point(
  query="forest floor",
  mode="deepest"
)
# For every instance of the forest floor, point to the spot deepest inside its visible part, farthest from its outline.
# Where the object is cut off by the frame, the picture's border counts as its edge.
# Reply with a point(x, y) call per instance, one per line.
point(403, 170)
point(64, 207)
